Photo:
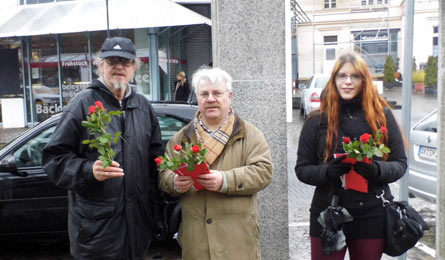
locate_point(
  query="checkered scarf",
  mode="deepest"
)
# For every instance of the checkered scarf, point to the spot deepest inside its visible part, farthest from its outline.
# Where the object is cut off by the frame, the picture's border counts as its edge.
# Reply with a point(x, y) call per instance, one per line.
point(214, 141)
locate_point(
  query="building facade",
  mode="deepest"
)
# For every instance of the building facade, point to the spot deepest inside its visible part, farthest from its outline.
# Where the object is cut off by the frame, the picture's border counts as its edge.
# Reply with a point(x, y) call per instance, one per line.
point(373, 28)
point(46, 71)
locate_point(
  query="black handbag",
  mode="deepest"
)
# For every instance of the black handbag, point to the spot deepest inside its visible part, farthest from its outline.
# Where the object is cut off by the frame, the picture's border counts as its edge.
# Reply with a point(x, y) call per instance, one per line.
point(404, 226)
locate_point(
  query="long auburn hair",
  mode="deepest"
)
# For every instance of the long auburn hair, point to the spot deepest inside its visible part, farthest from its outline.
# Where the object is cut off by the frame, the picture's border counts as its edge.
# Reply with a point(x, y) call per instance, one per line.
point(372, 103)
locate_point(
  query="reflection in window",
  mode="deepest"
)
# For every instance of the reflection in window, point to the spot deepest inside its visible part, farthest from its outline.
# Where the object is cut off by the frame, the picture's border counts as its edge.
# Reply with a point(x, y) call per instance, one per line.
point(75, 65)
point(169, 127)
point(30, 154)
point(330, 3)
point(44, 77)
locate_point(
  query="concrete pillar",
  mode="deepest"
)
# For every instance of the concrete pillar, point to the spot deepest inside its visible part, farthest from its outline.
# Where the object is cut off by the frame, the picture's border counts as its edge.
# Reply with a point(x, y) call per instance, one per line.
point(440, 215)
point(249, 43)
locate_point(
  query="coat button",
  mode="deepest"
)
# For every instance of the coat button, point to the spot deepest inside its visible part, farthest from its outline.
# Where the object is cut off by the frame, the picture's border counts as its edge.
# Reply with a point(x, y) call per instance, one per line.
point(361, 203)
point(240, 186)
point(209, 221)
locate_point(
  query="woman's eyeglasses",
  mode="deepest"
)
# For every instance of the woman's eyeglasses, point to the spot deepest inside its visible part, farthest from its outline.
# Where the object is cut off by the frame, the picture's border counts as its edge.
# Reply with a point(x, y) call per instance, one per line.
point(115, 60)
point(342, 77)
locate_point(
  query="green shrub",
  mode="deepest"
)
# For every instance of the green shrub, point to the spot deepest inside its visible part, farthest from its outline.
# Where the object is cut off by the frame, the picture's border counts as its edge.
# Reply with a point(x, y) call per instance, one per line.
point(431, 72)
point(389, 70)
point(419, 76)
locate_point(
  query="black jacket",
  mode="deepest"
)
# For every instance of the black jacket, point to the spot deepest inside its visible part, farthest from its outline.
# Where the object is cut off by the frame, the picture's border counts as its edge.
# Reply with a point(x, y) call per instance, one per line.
point(110, 219)
point(183, 92)
point(366, 209)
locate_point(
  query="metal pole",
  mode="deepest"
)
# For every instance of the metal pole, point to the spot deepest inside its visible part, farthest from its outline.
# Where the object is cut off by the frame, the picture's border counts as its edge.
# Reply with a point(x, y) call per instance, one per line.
point(59, 68)
point(407, 83)
point(108, 21)
point(440, 202)
point(313, 38)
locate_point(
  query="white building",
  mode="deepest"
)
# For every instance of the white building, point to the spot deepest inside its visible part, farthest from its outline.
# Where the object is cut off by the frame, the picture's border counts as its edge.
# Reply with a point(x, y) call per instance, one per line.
point(374, 28)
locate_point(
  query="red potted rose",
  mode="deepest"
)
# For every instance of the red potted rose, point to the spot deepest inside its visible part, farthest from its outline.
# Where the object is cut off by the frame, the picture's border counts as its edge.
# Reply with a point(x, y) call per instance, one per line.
point(187, 162)
point(362, 150)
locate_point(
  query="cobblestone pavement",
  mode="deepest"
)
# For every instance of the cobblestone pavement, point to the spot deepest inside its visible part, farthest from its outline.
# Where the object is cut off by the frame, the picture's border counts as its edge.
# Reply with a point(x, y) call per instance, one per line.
point(300, 194)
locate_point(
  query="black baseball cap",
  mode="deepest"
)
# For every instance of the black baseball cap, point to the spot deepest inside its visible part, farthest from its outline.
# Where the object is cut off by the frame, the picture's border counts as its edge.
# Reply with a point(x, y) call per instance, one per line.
point(118, 47)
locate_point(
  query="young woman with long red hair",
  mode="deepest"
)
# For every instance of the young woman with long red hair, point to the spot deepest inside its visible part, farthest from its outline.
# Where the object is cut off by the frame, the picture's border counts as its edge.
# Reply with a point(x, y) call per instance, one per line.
point(350, 107)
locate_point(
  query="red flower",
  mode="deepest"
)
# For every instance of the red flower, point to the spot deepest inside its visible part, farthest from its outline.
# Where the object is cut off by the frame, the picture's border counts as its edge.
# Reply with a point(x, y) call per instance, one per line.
point(99, 105)
point(92, 109)
point(196, 149)
point(177, 147)
point(384, 130)
point(346, 140)
point(365, 138)
point(158, 160)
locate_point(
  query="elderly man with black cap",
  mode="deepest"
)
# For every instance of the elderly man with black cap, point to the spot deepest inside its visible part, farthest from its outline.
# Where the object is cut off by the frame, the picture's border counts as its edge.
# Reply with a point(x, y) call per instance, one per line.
point(113, 211)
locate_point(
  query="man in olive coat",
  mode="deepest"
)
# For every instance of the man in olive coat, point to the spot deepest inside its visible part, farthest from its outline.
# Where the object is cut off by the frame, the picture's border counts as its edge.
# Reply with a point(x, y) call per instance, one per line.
point(220, 222)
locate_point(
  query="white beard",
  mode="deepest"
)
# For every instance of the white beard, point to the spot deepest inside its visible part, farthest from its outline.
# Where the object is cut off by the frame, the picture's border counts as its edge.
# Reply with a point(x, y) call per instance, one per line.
point(119, 86)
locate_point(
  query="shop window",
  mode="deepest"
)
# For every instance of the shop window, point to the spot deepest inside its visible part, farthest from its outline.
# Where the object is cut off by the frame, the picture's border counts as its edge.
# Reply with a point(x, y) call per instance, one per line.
point(75, 65)
point(44, 77)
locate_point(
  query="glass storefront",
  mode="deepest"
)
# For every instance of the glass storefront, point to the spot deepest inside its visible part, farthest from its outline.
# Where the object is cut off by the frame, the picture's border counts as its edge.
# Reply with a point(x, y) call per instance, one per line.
point(52, 69)
point(375, 45)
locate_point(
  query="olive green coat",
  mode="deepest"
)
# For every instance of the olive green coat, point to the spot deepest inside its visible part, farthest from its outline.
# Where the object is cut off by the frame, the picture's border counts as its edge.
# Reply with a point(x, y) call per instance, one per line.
point(223, 226)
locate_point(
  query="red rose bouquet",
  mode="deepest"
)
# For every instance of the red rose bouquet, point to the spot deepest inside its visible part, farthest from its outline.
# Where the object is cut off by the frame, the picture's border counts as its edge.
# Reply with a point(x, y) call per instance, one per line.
point(97, 123)
point(187, 162)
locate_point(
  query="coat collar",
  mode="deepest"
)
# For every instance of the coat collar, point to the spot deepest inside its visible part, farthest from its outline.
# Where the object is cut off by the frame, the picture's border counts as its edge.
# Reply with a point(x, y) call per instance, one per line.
point(239, 131)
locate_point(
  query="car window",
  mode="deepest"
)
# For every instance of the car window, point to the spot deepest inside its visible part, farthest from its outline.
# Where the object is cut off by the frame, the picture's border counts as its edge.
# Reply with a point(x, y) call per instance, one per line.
point(429, 124)
point(30, 153)
point(321, 82)
point(309, 82)
point(169, 127)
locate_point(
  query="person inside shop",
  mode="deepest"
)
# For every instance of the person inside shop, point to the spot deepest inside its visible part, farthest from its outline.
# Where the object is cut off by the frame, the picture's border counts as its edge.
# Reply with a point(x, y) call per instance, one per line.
point(114, 211)
point(182, 87)
point(350, 108)
point(220, 221)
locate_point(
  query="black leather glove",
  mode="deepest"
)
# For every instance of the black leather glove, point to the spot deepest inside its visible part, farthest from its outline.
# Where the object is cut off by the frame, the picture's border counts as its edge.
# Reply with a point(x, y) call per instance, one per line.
point(336, 168)
point(369, 171)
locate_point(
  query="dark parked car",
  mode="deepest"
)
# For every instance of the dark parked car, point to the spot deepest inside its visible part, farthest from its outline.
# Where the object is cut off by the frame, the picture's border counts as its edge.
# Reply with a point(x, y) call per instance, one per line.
point(31, 205)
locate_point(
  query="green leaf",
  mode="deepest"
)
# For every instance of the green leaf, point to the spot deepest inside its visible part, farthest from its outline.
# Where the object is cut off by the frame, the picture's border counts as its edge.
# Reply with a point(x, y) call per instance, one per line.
point(103, 139)
point(378, 153)
point(106, 163)
point(386, 150)
point(115, 113)
point(101, 150)
point(87, 141)
point(88, 124)
point(190, 167)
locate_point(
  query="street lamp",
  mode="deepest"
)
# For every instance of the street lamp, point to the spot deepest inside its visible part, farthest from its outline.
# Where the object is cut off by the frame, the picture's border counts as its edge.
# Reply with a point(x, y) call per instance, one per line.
point(108, 23)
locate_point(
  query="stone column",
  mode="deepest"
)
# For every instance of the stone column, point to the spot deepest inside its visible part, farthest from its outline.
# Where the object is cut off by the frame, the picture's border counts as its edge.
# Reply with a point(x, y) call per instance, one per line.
point(440, 215)
point(248, 39)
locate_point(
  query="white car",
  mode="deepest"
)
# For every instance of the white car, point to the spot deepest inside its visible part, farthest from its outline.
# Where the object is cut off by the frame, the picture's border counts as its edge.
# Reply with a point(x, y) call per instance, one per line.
point(422, 158)
point(310, 94)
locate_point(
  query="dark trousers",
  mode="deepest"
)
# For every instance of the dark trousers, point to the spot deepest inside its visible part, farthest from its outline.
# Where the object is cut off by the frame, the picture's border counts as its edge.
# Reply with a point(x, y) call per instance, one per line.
point(359, 249)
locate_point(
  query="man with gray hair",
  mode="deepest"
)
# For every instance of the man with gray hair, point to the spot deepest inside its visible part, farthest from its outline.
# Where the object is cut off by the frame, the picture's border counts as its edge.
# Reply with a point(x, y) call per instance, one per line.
point(220, 222)
point(113, 211)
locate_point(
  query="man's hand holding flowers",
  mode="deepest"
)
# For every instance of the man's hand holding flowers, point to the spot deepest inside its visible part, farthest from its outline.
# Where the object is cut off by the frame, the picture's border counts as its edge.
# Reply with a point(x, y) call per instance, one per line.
point(104, 168)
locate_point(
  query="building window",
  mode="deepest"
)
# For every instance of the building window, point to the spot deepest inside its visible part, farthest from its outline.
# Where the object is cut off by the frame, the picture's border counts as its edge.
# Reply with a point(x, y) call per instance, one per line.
point(435, 45)
point(330, 39)
point(372, 2)
point(436, 29)
point(330, 3)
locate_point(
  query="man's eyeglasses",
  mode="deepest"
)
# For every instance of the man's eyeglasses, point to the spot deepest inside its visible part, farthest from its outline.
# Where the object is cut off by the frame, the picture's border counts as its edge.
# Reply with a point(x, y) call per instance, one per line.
point(342, 77)
point(215, 94)
point(115, 60)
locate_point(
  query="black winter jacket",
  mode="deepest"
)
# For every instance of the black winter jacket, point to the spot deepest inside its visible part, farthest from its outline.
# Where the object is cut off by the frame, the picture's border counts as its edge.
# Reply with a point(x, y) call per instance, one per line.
point(110, 219)
point(183, 92)
point(365, 208)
